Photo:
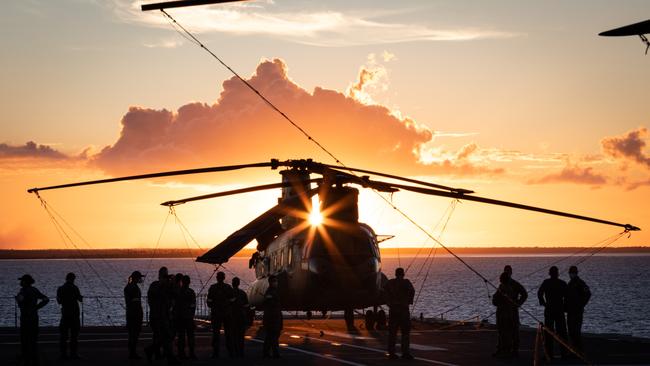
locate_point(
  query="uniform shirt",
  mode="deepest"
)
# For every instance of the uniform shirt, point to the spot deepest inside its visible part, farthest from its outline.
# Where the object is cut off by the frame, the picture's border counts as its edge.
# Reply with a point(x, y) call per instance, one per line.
point(503, 298)
point(27, 300)
point(239, 305)
point(552, 294)
point(159, 297)
point(578, 294)
point(399, 292)
point(68, 296)
point(133, 297)
point(272, 308)
point(186, 303)
point(219, 296)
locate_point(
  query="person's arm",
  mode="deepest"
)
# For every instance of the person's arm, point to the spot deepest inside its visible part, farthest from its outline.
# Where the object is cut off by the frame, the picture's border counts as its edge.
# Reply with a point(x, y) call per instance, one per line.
point(540, 294)
point(208, 299)
point(587, 294)
point(44, 299)
point(59, 295)
point(522, 295)
point(411, 292)
point(79, 297)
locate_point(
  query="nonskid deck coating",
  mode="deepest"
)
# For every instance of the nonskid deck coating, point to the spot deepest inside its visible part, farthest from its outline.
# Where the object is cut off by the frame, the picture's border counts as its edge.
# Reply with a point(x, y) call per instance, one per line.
point(327, 342)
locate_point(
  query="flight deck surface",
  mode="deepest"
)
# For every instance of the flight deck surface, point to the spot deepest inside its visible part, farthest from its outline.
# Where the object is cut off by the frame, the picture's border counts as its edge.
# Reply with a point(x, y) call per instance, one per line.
point(328, 342)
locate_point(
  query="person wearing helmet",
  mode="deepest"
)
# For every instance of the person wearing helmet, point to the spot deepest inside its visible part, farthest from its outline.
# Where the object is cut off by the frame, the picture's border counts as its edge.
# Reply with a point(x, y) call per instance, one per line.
point(578, 295)
point(399, 295)
point(29, 300)
point(133, 301)
point(69, 297)
point(552, 296)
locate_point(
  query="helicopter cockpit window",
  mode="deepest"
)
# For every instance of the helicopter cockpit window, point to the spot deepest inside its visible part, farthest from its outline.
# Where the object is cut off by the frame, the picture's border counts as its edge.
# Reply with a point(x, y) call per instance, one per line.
point(290, 257)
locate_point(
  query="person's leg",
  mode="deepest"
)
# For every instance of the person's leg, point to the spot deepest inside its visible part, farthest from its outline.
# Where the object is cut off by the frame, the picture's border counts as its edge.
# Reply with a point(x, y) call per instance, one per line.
point(180, 337)
point(189, 327)
point(560, 329)
point(63, 337)
point(75, 326)
point(216, 330)
point(392, 331)
point(406, 334)
point(548, 339)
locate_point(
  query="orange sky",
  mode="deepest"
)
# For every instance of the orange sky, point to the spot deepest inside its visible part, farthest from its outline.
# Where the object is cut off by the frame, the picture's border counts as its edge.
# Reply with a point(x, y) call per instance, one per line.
point(526, 145)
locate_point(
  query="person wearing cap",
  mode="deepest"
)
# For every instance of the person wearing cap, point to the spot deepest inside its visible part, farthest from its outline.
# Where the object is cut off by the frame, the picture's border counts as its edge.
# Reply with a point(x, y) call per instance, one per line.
point(552, 296)
point(29, 300)
point(399, 294)
point(69, 297)
point(218, 300)
point(159, 297)
point(520, 297)
point(133, 301)
point(272, 319)
point(578, 295)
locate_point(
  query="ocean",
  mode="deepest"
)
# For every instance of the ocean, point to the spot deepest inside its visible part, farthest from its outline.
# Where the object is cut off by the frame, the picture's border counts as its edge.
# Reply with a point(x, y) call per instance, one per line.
point(444, 287)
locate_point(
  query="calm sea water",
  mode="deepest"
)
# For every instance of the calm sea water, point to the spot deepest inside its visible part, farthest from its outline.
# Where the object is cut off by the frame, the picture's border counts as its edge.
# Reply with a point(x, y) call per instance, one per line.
point(620, 285)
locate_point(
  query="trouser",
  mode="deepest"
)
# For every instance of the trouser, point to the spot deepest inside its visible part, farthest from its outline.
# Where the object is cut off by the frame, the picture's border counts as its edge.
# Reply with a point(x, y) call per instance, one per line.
point(271, 340)
point(554, 321)
point(218, 322)
point(574, 325)
point(515, 331)
point(238, 330)
point(69, 324)
point(161, 337)
point(29, 340)
point(133, 327)
point(399, 318)
point(505, 331)
point(185, 328)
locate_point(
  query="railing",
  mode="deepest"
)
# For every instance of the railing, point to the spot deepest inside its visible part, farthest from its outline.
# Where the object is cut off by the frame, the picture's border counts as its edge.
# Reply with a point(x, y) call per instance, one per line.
point(94, 311)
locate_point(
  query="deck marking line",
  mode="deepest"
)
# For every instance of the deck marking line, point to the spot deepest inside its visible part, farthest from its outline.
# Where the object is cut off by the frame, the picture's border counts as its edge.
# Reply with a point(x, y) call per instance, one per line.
point(382, 351)
point(315, 354)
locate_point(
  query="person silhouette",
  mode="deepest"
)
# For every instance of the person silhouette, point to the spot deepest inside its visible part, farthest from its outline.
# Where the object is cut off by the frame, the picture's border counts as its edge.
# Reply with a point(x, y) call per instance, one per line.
point(272, 319)
point(503, 299)
point(29, 300)
point(578, 295)
point(133, 301)
point(218, 300)
point(399, 295)
point(520, 297)
point(69, 297)
point(239, 318)
point(552, 296)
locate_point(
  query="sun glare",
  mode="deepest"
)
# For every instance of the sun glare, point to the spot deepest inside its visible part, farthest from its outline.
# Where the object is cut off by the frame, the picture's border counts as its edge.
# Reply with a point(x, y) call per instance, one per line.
point(315, 218)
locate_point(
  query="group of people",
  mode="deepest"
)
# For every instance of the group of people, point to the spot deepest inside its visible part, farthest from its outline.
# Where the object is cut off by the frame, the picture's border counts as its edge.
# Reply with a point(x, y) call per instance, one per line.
point(557, 297)
point(172, 306)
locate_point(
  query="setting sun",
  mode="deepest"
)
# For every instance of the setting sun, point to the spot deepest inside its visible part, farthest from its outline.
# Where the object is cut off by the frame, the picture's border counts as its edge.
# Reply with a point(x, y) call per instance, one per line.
point(315, 218)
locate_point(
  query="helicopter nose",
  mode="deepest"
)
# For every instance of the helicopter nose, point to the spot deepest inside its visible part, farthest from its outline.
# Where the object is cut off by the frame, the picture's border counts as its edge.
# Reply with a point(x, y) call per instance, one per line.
point(331, 274)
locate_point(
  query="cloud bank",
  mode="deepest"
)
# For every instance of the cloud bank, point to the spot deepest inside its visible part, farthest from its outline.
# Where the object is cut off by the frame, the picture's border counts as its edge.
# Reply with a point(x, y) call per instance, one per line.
point(628, 147)
point(30, 150)
point(239, 127)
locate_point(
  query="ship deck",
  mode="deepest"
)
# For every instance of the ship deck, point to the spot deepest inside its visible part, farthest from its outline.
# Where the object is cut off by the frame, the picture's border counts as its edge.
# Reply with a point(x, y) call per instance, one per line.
point(328, 342)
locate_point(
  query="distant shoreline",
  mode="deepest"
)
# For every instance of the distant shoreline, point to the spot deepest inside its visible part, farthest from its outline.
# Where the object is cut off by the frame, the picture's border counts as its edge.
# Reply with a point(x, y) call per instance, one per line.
point(186, 253)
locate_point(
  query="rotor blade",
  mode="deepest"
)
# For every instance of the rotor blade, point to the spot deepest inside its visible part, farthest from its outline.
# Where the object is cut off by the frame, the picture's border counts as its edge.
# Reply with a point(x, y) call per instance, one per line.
point(433, 185)
point(222, 252)
point(235, 191)
point(272, 164)
point(183, 3)
point(628, 30)
point(491, 201)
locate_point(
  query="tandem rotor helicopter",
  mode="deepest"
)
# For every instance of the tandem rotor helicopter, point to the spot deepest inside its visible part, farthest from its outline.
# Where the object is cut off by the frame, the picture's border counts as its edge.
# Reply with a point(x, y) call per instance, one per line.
point(332, 266)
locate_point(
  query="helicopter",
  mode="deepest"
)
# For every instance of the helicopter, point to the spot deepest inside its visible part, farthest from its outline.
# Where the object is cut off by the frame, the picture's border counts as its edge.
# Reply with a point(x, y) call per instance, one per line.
point(331, 266)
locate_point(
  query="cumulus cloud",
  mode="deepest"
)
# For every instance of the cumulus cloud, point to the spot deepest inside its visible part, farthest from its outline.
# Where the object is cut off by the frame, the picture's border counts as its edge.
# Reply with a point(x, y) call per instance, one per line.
point(628, 147)
point(30, 150)
point(574, 174)
point(239, 127)
point(318, 28)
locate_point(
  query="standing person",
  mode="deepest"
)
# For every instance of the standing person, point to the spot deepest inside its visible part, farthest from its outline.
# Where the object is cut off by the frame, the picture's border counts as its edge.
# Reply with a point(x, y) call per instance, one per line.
point(552, 296)
point(69, 297)
point(272, 319)
point(506, 309)
point(29, 300)
point(133, 301)
point(578, 295)
point(399, 295)
point(184, 321)
point(218, 301)
point(520, 297)
point(239, 318)
point(159, 297)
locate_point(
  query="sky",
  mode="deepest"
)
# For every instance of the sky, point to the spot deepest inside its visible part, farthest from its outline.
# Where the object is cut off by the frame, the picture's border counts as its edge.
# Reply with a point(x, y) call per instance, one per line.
point(516, 100)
